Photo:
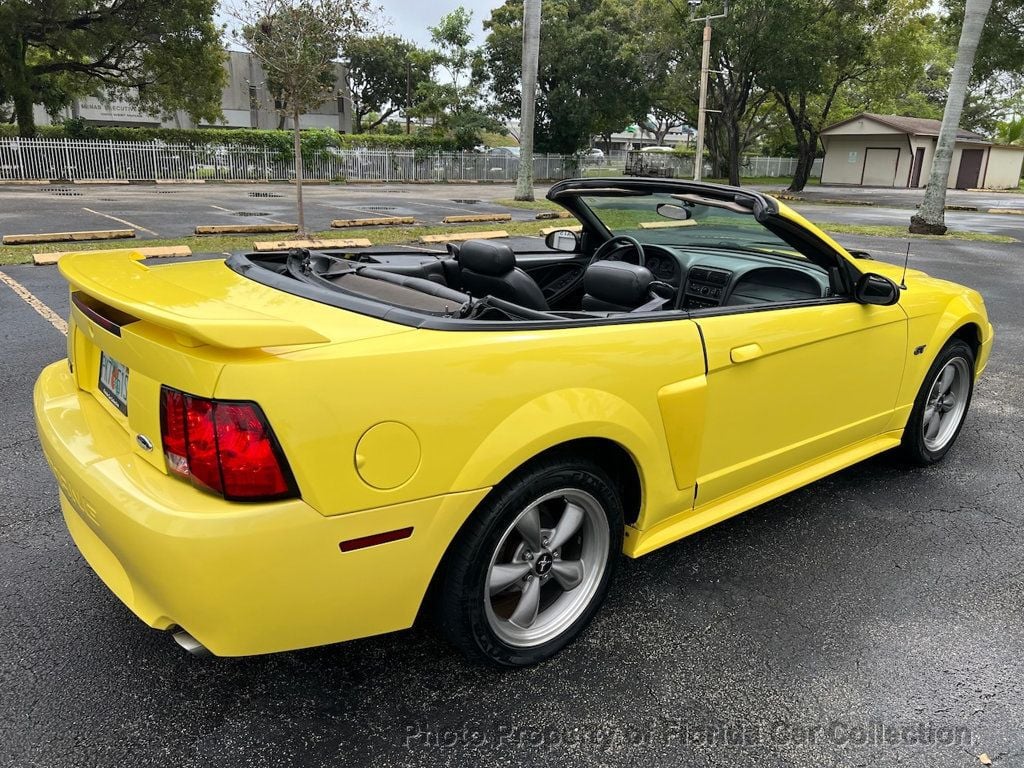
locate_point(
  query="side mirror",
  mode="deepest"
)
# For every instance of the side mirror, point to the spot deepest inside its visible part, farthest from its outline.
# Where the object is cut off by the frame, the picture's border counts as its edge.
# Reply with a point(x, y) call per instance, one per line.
point(563, 240)
point(875, 289)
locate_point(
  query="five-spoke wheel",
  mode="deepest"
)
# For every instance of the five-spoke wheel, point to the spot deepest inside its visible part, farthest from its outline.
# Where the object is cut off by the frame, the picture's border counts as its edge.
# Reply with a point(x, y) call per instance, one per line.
point(529, 571)
point(941, 404)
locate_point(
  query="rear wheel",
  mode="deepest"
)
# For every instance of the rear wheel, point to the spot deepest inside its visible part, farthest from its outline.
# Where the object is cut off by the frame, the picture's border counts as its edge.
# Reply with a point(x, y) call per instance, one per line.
point(941, 405)
point(529, 572)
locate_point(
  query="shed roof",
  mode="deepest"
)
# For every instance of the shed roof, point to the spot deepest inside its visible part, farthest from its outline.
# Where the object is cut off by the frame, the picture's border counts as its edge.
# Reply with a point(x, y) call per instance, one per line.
point(915, 126)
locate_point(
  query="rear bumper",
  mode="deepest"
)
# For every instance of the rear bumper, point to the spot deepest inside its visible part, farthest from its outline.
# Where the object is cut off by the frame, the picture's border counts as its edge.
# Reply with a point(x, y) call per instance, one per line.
point(241, 578)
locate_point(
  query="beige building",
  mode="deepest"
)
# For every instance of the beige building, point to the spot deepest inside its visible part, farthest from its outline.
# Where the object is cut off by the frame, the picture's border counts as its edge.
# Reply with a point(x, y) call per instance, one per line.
point(892, 151)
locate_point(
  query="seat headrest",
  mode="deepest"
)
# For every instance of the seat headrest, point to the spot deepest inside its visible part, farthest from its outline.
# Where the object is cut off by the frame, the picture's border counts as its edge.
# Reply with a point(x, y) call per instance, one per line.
point(617, 282)
point(486, 257)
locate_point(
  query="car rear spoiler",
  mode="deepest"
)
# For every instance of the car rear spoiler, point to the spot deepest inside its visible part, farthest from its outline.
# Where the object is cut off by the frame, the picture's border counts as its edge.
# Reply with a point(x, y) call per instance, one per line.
point(120, 280)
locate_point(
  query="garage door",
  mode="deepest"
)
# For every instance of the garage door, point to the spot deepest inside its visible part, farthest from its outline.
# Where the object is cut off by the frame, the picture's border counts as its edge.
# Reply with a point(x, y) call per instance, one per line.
point(880, 167)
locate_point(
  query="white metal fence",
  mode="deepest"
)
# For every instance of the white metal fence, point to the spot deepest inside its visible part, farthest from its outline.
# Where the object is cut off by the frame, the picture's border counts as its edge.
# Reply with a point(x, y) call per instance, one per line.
point(75, 160)
point(82, 159)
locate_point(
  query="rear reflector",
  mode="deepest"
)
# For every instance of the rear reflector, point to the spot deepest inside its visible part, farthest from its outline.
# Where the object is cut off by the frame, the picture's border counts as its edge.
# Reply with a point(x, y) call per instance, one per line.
point(375, 539)
point(224, 447)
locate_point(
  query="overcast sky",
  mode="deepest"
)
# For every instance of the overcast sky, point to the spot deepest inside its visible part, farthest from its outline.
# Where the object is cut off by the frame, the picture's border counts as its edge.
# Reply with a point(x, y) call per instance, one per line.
point(410, 18)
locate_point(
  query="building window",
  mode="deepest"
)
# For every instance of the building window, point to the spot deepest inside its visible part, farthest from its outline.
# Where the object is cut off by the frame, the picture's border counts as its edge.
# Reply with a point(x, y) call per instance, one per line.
point(254, 99)
point(341, 105)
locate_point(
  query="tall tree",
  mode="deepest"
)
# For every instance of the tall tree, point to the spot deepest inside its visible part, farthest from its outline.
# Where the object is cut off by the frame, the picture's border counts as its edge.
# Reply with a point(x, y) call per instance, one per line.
point(297, 42)
point(836, 45)
point(931, 215)
point(592, 77)
point(161, 56)
point(383, 71)
point(454, 100)
point(527, 118)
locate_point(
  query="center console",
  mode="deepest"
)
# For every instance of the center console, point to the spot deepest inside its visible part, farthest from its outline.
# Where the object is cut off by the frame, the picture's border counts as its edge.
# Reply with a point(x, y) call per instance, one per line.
point(705, 287)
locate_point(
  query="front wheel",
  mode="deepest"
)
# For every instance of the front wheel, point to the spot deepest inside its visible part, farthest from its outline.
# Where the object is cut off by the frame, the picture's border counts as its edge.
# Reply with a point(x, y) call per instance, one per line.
point(529, 572)
point(941, 405)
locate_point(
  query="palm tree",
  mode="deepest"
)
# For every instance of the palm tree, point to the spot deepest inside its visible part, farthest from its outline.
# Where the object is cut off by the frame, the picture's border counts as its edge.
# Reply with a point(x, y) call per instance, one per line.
point(930, 218)
point(1011, 132)
point(531, 52)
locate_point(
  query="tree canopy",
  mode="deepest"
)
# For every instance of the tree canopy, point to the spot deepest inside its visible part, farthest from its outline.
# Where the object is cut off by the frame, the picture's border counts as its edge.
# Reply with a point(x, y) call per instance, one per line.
point(592, 73)
point(162, 55)
point(383, 72)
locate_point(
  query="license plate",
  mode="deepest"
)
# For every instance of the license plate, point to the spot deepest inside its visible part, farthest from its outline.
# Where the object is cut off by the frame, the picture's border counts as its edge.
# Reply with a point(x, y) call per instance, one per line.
point(114, 382)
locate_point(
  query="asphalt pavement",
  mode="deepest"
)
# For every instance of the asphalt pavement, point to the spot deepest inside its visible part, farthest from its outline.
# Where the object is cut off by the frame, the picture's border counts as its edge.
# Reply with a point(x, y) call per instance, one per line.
point(174, 210)
point(870, 619)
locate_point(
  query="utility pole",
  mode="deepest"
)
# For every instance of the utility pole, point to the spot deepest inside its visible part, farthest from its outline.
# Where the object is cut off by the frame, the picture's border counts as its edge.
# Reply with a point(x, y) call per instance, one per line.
point(702, 110)
point(531, 53)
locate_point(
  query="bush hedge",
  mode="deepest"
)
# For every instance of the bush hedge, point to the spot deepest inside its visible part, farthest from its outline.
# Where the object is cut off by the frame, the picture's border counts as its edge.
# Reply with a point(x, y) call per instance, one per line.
point(313, 139)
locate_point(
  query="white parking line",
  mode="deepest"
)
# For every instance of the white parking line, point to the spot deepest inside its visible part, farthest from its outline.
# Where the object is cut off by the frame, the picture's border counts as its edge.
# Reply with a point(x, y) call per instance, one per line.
point(44, 311)
point(121, 221)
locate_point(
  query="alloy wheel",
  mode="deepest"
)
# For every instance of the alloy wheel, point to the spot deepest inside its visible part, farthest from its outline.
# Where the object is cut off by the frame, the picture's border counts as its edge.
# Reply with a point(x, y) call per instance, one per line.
point(547, 567)
point(946, 403)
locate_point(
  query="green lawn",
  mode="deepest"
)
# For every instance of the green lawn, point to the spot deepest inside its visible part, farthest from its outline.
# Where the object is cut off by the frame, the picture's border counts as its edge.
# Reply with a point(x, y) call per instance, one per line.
point(22, 254)
point(900, 232)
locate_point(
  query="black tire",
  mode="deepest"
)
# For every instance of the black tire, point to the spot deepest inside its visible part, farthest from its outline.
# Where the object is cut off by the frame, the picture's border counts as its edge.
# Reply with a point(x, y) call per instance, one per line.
point(916, 446)
point(464, 608)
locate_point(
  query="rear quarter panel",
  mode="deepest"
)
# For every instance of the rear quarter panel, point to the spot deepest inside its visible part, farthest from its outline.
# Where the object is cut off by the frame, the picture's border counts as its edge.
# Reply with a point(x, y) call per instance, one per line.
point(479, 403)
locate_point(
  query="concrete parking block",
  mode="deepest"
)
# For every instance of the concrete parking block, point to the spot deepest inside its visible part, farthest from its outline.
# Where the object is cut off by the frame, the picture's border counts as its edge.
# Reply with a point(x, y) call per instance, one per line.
point(280, 245)
point(473, 217)
point(378, 221)
point(460, 236)
point(66, 237)
point(151, 253)
point(546, 215)
point(242, 229)
point(1008, 211)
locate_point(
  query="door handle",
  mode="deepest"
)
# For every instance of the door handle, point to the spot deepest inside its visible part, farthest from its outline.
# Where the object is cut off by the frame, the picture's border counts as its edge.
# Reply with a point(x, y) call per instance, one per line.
point(745, 353)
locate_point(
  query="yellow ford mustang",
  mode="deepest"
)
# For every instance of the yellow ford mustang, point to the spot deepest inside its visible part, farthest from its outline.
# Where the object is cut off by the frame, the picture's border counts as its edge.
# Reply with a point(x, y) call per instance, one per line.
point(283, 450)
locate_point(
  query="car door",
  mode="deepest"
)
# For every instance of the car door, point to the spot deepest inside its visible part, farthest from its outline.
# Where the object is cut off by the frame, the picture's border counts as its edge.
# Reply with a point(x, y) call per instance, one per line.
point(788, 385)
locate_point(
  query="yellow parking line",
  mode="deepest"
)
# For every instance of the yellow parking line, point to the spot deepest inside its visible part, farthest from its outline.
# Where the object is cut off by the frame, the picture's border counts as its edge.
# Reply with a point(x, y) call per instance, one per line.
point(122, 221)
point(44, 311)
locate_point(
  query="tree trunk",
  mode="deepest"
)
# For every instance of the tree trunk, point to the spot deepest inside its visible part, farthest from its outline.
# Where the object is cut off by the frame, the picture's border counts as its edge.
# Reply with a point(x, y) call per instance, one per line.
point(733, 137)
point(931, 215)
point(531, 52)
point(298, 173)
point(20, 89)
point(806, 150)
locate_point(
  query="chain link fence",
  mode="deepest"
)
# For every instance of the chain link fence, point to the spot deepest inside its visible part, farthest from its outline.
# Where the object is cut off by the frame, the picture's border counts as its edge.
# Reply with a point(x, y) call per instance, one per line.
point(80, 159)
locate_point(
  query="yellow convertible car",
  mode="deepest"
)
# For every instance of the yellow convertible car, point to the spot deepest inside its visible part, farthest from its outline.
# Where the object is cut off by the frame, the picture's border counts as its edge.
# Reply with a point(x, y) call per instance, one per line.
point(288, 449)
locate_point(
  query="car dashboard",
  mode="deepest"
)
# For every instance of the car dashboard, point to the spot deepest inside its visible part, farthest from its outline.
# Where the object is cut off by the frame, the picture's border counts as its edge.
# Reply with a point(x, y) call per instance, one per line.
point(706, 278)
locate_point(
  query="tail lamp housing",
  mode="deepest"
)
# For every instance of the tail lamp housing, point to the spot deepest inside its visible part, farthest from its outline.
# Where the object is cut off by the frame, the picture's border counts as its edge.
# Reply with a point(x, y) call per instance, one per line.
point(225, 447)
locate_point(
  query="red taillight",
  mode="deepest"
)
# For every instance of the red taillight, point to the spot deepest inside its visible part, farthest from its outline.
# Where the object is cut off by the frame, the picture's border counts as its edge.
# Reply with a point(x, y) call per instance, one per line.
point(224, 447)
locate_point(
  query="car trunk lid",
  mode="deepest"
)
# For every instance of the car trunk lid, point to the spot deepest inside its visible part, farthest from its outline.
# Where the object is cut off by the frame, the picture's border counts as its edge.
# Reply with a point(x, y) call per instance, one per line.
point(135, 327)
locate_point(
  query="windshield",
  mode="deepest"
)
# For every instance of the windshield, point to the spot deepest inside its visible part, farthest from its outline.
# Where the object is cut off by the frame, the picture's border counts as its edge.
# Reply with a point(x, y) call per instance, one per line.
point(671, 219)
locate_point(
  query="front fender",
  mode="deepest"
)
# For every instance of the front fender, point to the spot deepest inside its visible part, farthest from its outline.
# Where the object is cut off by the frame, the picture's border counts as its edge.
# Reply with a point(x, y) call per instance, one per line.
point(934, 318)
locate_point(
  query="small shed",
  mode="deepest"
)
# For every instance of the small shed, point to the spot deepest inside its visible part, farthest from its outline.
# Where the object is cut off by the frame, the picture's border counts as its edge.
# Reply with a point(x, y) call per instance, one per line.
point(894, 151)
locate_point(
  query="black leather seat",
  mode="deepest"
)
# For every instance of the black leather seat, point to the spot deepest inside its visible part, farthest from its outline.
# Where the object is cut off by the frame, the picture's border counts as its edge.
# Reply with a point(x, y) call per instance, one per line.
point(489, 269)
point(615, 286)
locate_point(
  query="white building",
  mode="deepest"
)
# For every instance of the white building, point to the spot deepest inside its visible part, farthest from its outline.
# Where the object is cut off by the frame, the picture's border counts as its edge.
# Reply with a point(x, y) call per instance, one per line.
point(246, 103)
point(894, 151)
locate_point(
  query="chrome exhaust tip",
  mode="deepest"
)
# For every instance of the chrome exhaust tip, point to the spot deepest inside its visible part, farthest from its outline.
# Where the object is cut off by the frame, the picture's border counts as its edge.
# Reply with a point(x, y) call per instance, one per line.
point(190, 644)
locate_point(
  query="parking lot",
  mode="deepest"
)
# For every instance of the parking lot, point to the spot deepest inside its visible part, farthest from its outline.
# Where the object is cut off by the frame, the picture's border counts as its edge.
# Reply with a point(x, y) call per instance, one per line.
point(871, 619)
point(169, 210)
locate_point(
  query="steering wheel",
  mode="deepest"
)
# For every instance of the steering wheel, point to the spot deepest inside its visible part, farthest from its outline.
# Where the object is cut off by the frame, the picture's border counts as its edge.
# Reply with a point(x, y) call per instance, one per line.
point(605, 249)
